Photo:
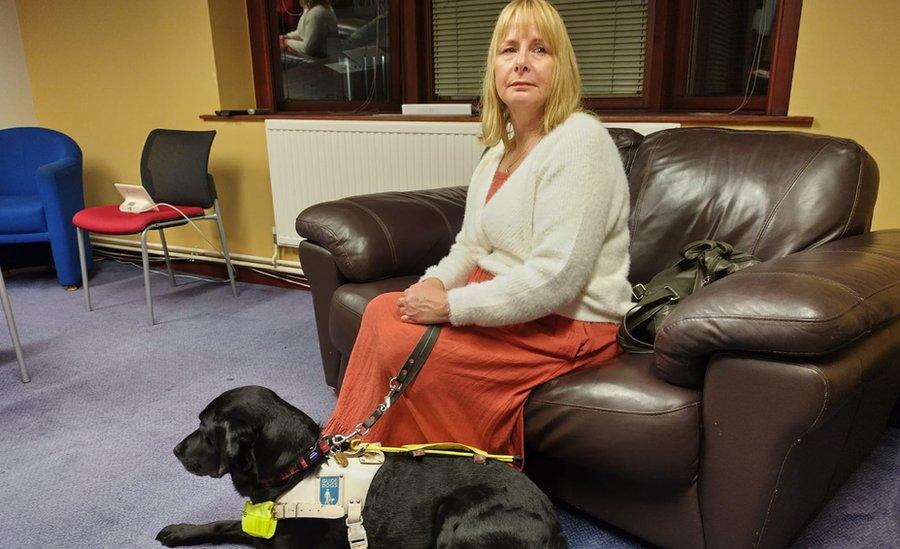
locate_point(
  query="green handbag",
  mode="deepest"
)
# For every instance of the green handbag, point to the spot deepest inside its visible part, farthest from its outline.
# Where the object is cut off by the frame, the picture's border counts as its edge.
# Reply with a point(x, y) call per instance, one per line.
point(702, 262)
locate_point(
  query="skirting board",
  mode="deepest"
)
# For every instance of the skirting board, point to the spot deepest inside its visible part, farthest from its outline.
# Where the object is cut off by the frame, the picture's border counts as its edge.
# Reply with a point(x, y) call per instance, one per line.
point(182, 252)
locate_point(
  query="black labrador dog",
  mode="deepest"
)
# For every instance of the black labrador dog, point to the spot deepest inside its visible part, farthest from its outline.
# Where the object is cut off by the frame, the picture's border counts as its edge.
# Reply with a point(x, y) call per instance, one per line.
point(416, 502)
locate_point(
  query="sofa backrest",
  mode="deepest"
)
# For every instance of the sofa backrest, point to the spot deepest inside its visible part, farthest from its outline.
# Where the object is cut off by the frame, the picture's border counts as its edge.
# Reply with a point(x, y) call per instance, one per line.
point(767, 193)
point(24, 150)
point(628, 141)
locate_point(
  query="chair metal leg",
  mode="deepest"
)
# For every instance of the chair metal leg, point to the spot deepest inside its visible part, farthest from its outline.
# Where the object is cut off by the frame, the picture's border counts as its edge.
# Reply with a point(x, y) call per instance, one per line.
point(84, 274)
point(146, 261)
point(13, 333)
point(225, 247)
point(162, 239)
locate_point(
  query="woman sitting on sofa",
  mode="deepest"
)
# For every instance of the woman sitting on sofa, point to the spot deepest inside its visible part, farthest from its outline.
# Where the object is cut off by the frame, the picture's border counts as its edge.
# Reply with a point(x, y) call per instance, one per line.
point(316, 25)
point(535, 283)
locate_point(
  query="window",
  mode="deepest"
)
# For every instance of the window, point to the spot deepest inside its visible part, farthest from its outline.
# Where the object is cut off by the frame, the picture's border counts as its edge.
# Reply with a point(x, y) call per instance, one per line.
point(640, 56)
point(333, 52)
point(325, 55)
point(728, 47)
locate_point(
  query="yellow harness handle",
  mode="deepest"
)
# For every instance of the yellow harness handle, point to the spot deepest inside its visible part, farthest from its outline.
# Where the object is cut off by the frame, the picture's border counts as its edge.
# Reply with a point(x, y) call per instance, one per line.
point(435, 448)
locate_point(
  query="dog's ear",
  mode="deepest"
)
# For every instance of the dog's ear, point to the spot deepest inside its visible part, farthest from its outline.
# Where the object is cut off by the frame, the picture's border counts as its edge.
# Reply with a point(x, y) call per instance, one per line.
point(236, 450)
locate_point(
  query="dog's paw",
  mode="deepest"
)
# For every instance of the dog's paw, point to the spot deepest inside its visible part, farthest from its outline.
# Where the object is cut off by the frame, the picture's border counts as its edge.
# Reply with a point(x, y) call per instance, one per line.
point(174, 535)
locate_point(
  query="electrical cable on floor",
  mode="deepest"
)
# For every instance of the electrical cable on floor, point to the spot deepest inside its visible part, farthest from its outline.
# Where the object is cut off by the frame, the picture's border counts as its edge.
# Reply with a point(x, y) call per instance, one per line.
point(194, 225)
point(302, 282)
point(298, 282)
point(166, 273)
point(135, 261)
point(126, 255)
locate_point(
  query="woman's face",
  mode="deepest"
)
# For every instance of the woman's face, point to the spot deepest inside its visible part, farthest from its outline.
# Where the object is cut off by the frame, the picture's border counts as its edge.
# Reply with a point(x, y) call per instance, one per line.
point(523, 67)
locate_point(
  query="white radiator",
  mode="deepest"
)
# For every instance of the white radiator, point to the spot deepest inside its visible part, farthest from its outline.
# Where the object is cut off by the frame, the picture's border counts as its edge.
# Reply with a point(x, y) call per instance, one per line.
point(312, 161)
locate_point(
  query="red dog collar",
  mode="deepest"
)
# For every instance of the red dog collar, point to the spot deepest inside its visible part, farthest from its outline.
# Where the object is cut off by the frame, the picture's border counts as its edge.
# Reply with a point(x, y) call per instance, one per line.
point(311, 457)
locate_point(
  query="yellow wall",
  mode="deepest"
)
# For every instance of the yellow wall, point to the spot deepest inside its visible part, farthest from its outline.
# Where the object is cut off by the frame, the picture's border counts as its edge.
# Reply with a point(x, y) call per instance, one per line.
point(16, 106)
point(228, 21)
point(107, 73)
point(846, 75)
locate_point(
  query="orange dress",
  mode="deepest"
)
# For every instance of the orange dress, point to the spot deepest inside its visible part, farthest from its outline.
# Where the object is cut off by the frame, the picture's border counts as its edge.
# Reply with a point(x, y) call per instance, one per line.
point(473, 388)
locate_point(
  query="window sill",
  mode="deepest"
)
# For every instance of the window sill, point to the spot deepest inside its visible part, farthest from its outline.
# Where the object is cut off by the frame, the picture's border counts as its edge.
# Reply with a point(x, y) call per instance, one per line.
point(323, 116)
point(717, 119)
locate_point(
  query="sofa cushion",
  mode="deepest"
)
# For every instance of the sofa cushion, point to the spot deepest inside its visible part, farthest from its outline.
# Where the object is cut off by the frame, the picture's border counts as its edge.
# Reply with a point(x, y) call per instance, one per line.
point(618, 416)
point(110, 220)
point(348, 303)
point(22, 214)
point(768, 193)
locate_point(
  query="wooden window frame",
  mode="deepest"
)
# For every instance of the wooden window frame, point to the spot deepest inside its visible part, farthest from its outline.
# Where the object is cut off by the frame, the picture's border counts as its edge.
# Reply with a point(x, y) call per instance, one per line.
point(787, 18)
point(267, 80)
point(412, 66)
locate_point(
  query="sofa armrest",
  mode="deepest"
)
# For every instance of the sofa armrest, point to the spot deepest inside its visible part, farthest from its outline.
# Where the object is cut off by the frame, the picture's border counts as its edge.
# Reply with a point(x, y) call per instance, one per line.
point(806, 304)
point(324, 279)
point(781, 436)
point(60, 185)
point(382, 235)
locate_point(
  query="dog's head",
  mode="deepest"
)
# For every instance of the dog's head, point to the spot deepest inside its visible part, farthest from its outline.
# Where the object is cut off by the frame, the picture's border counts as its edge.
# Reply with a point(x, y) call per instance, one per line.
point(248, 432)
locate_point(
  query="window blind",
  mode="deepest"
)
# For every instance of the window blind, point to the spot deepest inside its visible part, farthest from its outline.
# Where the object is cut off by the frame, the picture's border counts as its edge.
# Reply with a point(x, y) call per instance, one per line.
point(608, 36)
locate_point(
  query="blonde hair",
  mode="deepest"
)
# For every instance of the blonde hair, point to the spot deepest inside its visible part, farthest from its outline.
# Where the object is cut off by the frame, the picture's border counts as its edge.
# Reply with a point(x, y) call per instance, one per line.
point(565, 83)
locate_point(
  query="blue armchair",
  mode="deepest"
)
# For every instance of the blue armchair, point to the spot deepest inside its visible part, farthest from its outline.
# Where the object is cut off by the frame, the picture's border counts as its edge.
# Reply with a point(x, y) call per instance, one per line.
point(40, 191)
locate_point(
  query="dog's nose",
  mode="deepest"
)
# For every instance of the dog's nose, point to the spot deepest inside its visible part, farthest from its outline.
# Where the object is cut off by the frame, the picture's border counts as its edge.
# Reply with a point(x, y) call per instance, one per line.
point(179, 450)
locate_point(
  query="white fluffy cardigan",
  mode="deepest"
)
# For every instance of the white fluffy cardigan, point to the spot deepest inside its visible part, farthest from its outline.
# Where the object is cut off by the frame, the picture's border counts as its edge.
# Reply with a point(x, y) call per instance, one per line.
point(555, 235)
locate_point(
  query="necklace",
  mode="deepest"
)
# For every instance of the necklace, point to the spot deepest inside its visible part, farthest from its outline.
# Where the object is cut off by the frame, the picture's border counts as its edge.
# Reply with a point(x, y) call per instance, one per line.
point(519, 158)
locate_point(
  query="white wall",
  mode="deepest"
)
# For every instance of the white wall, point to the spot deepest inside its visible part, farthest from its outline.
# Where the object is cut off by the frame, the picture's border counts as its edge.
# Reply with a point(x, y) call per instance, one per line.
point(16, 104)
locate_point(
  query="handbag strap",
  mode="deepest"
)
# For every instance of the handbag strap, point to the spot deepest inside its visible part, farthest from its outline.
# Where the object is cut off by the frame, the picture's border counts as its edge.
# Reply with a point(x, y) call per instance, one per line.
point(637, 316)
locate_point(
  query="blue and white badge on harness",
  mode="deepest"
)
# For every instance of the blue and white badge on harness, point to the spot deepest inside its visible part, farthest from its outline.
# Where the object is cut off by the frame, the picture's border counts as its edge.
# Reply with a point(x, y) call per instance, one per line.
point(330, 490)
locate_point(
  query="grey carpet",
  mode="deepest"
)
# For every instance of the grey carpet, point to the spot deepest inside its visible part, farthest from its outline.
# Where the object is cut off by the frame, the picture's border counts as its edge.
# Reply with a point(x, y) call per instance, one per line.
point(85, 448)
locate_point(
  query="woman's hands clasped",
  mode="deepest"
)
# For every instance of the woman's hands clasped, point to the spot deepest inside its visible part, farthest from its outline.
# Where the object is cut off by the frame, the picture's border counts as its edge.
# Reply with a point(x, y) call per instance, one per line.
point(425, 302)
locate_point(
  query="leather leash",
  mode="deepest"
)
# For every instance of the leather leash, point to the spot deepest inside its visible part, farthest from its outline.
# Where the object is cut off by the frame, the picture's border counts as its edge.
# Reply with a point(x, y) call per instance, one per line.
point(396, 386)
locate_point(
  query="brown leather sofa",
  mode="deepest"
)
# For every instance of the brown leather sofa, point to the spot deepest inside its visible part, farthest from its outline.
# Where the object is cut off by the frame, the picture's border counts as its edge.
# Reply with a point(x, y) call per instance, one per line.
point(766, 388)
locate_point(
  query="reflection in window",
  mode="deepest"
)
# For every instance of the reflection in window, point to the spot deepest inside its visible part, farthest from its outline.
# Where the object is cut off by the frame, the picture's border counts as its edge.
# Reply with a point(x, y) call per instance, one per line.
point(731, 49)
point(334, 50)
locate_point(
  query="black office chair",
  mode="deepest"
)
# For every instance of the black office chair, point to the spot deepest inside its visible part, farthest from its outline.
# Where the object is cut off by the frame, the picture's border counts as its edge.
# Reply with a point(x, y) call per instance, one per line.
point(174, 173)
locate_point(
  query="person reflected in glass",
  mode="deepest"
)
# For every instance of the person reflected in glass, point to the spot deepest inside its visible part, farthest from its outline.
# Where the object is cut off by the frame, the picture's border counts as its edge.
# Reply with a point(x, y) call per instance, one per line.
point(317, 24)
point(536, 282)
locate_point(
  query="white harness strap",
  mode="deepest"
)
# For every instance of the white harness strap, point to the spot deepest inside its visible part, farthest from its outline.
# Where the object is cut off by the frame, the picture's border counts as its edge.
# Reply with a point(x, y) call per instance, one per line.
point(356, 534)
point(334, 492)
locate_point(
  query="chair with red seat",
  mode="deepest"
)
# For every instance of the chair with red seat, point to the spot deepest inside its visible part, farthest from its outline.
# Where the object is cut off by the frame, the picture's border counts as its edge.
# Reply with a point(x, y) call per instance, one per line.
point(174, 173)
